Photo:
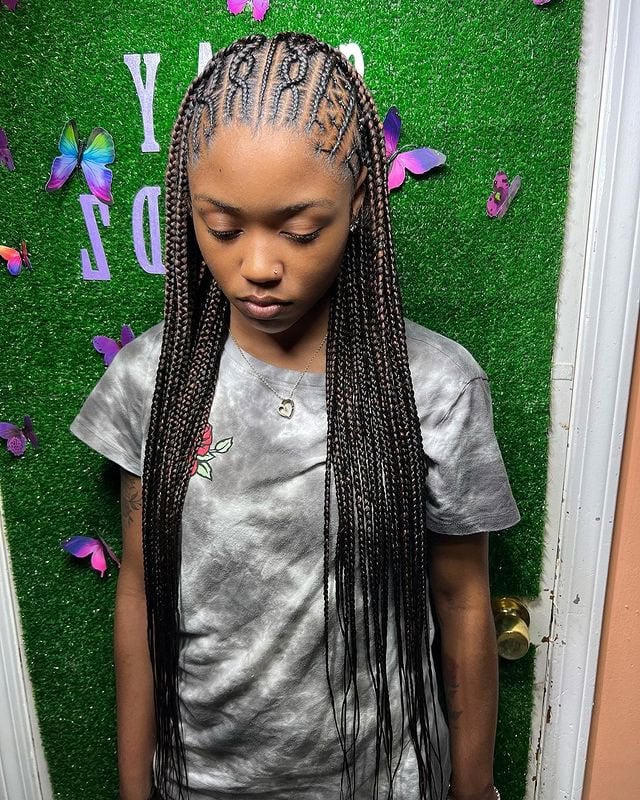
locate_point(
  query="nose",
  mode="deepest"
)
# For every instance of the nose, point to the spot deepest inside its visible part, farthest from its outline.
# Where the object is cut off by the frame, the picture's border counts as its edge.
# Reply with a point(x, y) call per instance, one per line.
point(259, 263)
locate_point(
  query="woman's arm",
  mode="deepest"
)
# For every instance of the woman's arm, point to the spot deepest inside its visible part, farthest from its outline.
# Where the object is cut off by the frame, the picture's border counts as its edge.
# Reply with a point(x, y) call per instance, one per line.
point(134, 682)
point(459, 580)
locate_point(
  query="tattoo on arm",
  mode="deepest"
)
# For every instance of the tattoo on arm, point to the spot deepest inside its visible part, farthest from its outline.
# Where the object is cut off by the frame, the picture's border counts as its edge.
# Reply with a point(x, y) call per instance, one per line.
point(131, 498)
point(451, 686)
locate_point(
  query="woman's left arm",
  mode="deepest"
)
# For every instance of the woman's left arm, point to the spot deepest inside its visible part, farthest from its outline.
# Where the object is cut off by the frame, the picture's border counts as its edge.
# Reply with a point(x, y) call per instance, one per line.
point(459, 578)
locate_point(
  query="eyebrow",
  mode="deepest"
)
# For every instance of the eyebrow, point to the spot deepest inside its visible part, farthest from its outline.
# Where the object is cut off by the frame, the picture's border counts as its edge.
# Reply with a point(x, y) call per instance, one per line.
point(296, 208)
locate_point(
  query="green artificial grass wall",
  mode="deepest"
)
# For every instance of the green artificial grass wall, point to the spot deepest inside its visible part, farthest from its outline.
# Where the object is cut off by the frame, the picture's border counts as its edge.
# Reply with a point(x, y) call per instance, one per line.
point(489, 83)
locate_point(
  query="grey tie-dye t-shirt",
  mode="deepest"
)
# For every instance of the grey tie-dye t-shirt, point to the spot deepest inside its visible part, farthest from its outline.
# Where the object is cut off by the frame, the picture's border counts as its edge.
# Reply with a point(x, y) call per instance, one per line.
point(256, 710)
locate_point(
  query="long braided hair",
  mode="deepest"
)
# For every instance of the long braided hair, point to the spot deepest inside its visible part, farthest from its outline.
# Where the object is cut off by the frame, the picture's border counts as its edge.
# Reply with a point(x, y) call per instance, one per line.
point(374, 444)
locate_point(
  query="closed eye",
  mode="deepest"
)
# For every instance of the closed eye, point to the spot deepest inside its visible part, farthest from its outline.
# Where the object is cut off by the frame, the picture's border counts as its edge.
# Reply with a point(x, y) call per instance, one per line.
point(299, 238)
point(223, 236)
point(303, 238)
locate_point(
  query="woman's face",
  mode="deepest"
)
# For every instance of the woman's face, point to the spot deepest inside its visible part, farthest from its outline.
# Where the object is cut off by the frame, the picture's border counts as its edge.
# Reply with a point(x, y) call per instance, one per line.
point(272, 221)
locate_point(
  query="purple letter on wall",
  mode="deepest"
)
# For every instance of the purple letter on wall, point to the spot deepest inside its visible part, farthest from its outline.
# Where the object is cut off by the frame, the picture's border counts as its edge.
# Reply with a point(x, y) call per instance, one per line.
point(204, 55)
point(101, 271)
point(148, 195)
point(145, 91)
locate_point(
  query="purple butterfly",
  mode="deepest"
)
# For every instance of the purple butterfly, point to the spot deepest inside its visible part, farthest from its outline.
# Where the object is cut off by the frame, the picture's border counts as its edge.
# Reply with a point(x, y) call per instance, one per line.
point(91, 157)
point(541, 2)
point(417, 161)
point(110, 348)
point(258, 7)
point(503, 193)
point(10, 4)
point(15, 259)
point(5, 154)
point(98, 549)
point(17, 437)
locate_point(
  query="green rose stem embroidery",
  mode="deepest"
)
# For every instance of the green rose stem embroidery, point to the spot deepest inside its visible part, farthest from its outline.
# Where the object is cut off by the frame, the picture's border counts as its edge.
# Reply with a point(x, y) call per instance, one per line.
point(207, 453)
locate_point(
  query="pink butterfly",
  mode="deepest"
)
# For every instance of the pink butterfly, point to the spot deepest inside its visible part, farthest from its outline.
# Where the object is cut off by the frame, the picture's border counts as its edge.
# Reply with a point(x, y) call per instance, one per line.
point(98, 549)
point(5, 154)
point(17, 437)
point(503, 193)
point(15, 259)
point(110, 348)
point(417, 161)
point(541, 2)
point(258, 7)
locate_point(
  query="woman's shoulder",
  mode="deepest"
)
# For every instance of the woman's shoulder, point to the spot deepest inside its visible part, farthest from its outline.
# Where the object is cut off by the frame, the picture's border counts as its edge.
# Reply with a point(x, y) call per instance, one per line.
point(431, 350)
point(135, 364)
point(142, 350)
point(146, 343)
point(441, 369)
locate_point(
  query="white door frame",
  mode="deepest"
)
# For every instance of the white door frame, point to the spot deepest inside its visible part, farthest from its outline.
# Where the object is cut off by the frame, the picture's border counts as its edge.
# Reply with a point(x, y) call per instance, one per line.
point(590, 386)
point(597, 317)
point(23, 769)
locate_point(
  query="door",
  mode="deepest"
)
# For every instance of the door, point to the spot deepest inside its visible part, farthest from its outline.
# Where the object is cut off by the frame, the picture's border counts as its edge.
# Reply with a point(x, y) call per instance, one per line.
point(573, 343)
point(597, 321)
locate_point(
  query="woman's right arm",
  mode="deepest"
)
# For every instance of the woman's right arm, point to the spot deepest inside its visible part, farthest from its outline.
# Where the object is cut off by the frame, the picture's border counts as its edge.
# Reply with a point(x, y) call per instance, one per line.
point(134, 681)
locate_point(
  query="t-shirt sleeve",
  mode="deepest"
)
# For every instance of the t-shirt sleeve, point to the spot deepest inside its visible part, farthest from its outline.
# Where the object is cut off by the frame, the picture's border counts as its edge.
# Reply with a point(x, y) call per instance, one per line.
point(111, 419)
point(468, 487)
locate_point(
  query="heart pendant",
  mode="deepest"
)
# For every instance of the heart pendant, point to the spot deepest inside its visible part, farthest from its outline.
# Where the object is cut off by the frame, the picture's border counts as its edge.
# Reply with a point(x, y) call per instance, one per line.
point(285, 409)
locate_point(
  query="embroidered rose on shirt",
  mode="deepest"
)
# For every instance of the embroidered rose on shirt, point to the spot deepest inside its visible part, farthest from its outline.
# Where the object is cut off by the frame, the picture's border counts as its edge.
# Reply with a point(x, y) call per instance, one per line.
point(207, 453)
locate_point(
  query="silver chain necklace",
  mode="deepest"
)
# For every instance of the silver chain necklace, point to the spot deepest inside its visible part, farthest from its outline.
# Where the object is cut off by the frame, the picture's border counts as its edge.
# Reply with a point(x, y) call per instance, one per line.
point(287, 406)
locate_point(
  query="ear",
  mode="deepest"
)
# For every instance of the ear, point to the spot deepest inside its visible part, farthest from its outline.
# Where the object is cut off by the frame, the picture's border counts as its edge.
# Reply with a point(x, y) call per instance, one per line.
point(358, 193)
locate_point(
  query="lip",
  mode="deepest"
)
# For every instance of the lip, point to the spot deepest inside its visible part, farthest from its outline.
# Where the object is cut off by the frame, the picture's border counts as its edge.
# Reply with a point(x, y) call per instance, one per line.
point(263, 300)
point(262, 307)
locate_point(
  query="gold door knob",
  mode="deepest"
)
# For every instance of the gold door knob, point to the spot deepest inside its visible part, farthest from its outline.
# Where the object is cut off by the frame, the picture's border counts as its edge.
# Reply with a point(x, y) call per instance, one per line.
point(512, 627)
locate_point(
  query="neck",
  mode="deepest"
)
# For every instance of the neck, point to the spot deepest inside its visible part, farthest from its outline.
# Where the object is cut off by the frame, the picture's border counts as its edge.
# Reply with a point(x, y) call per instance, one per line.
point(290, 349)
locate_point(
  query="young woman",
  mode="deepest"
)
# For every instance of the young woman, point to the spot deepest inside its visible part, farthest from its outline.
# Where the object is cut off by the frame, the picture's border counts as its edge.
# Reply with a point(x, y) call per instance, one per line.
point(306, 475)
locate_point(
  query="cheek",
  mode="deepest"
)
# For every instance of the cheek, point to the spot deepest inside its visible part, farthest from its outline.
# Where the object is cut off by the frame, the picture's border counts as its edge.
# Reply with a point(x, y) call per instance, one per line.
point(324, 269)
point(211, 251)
point(222, 272)
point(335, 254)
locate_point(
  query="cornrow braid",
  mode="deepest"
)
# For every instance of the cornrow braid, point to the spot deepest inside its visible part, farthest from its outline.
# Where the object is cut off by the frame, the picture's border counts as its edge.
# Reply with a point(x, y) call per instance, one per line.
point(266, 71)
point(239, 76)
point(293, 71)
point(374, 446)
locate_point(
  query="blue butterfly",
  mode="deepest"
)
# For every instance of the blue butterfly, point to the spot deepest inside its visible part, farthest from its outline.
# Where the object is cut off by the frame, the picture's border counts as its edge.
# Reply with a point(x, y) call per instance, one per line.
point(91, 157)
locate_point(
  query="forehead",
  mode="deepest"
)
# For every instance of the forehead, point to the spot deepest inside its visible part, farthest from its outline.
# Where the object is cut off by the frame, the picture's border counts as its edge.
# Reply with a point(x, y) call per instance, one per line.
point(270, 165)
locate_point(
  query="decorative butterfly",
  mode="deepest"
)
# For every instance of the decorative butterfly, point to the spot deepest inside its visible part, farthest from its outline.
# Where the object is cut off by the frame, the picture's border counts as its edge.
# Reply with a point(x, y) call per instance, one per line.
point(17, 437)
point(15, 259)
point(416, 161)
point(503, 193)
point(258, 7)
point(541, 2)
point(10, 4)
point(98, 549)
point(109, 348)
point(91, 157)
point(5, 154)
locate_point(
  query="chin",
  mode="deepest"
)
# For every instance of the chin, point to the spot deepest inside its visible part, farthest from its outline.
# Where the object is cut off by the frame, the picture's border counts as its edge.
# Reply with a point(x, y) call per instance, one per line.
point(276, 325)
point(270, 326)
